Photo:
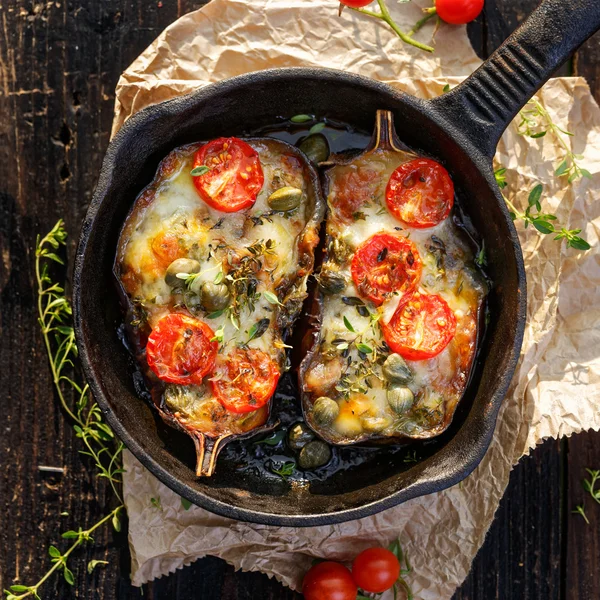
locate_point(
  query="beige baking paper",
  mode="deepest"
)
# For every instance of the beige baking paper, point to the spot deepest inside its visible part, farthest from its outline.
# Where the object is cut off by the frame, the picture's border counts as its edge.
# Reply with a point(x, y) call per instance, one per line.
point(555, 390)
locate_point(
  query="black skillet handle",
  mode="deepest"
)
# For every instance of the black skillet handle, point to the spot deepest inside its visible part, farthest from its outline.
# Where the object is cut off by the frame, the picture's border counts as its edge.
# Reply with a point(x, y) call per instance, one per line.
point(485, 103)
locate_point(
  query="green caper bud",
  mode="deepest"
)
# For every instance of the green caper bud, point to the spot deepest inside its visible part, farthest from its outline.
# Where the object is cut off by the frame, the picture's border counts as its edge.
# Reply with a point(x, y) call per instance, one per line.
point(314, 454)
point(400, 398)
point(285, 198)
point(180, 265)
point(331, 283)
point(299, 435)
point(396, 370)
point(325, 410)
point(315, 147)
point(214, 296)
point(375, 424)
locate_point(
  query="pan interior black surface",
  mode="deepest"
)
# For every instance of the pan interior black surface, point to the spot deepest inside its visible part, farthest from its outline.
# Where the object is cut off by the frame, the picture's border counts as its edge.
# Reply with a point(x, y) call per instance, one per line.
point(130, 166)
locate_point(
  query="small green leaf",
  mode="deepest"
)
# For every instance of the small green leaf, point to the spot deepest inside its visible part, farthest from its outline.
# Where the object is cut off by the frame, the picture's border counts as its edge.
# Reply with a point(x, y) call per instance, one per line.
point(364, 348)
point(535, 195)
point(543, 226)
point(273, 439)
point(215, 315)
point(186, 504)
point(562, 168)
point(316, 128)
point(68, 574)
point(19, 588)
point(200, 170)
point(258, 329)
point(54, 257)
point(271, 298)
point(578, 243)
point(446, 88)
point(54, 552)
point(94, 563)
point(219, 278)
point(348, 325)
point(342, 346)
point(585, 173)
point(116, 523)
point(67, 535)
point(573, 176)
point(538, 135)
point(301, 118)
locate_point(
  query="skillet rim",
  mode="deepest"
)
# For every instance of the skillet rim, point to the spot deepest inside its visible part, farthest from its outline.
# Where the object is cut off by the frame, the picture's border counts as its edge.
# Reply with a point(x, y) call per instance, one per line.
point(470, 455)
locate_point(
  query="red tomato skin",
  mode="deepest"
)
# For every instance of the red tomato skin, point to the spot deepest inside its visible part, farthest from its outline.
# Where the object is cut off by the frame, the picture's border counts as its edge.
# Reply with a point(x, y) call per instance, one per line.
point(248, 394)
point(356, 3)
point(376, 279)
point(434, 190)
point(242, 165)
point(180, 350)
point(458, 12)
point(428, 304)
point(375, 570)
point(329, 581)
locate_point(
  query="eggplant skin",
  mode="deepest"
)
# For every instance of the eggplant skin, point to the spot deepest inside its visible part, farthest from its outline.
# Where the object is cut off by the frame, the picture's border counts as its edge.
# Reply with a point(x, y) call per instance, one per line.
point(207, 422)
point(366, 416)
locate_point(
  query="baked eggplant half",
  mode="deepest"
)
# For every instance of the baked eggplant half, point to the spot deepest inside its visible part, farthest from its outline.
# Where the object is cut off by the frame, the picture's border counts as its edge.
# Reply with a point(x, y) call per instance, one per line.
point(212, 265)
point(399, 300)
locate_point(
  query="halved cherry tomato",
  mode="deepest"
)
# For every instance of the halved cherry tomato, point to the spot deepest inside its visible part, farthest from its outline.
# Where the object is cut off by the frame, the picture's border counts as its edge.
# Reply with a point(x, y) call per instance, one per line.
point(329, 581)
point(235, 174)
point(179, 349)
point(375, 569)
point(245, 380)
point(458, 12)
point(384, 264)
point(420, 193)
point(356, 3)
point(422, 326)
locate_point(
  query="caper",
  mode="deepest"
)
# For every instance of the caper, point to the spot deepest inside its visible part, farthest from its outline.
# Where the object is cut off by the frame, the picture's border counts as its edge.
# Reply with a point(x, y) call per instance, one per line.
point(285, 198)
point(396, 370)
point(400, 398)
point(299, 435)
point(315, 147)
point(314, 454)
point(331, 283)
point(375, 424)
point(325, 410)
point(180, 265)
point(214, 296)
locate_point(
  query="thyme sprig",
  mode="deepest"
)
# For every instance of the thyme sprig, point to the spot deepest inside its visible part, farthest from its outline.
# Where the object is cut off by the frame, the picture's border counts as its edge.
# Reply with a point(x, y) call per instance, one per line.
point(542, 221)
point(589, 485)
point(284, 470)
point(535, 123)
point(54, 318)
point(384, 15)
point(580, 510)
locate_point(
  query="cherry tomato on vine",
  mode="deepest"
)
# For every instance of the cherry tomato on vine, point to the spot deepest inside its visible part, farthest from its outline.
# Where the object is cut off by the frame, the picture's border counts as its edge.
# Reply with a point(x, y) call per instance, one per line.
point(422, 326)
point(234, 175)
point(356, 3)
point(179, 349)
point(375, 569)
point(458, 12)
point(384, 264)
point(420, 193)
point(247, 379)
point(329, 581)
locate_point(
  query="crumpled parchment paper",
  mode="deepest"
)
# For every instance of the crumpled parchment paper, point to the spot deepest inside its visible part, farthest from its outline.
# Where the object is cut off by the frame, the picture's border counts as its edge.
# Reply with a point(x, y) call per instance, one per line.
point(555, 390)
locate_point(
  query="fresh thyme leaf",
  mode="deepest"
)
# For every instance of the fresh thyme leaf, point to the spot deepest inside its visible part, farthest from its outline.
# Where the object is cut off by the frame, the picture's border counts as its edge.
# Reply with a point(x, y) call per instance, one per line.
point(301, 118)
point(580, 510)
point(156, 503)
point(543, 226)
point(54, 552)
point(19, 588)
point(219, 278)
point(342, 346)
point(539, 134)
point(271, 298)
point(562, 168)
point(446, 89)
point(218, 337)
point(348, 325)
point(215, 314)
point(70, 535)
point(590, 485)
point(186, 504)
point(364, 348)
point(535, 195)
point(93, 564)
point(316, 128)
point(258, 329)
point(273, 439)
point(116, 523)
point(480, 257)
point(200, 170)
point(68, 575)
point(284, 470)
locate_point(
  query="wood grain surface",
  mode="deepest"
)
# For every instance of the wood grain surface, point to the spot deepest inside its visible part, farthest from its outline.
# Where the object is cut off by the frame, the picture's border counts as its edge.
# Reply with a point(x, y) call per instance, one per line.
point(59, 63)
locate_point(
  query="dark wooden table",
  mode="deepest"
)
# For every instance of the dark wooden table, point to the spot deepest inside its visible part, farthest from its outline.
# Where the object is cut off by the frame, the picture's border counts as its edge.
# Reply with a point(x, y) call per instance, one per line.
point(59, 63)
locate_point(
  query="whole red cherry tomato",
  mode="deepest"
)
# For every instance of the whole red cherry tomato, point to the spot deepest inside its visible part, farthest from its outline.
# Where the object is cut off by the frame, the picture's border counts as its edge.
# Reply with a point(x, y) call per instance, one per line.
point(329, 581)
point(458, 12)
point(356, 3)
point(375, 569)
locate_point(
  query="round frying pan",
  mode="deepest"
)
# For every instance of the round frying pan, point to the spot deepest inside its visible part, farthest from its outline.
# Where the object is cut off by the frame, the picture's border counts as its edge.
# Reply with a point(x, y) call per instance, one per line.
point(460, 129)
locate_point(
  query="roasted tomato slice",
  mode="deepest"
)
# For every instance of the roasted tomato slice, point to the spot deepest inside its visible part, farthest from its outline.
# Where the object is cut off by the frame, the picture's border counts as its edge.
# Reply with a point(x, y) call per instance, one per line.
point(420, 193)
point(422, 326)
point(245, 380)
point(235, 175)
point(179, 349)
point(384, 264)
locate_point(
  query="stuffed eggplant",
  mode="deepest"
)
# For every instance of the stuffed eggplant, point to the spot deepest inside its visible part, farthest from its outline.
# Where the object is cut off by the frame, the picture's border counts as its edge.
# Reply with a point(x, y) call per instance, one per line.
point(399, 303)
point(212, 264)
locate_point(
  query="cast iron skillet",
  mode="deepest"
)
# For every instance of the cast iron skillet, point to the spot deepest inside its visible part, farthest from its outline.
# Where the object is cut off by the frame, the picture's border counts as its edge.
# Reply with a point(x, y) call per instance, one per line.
point(460, 128)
